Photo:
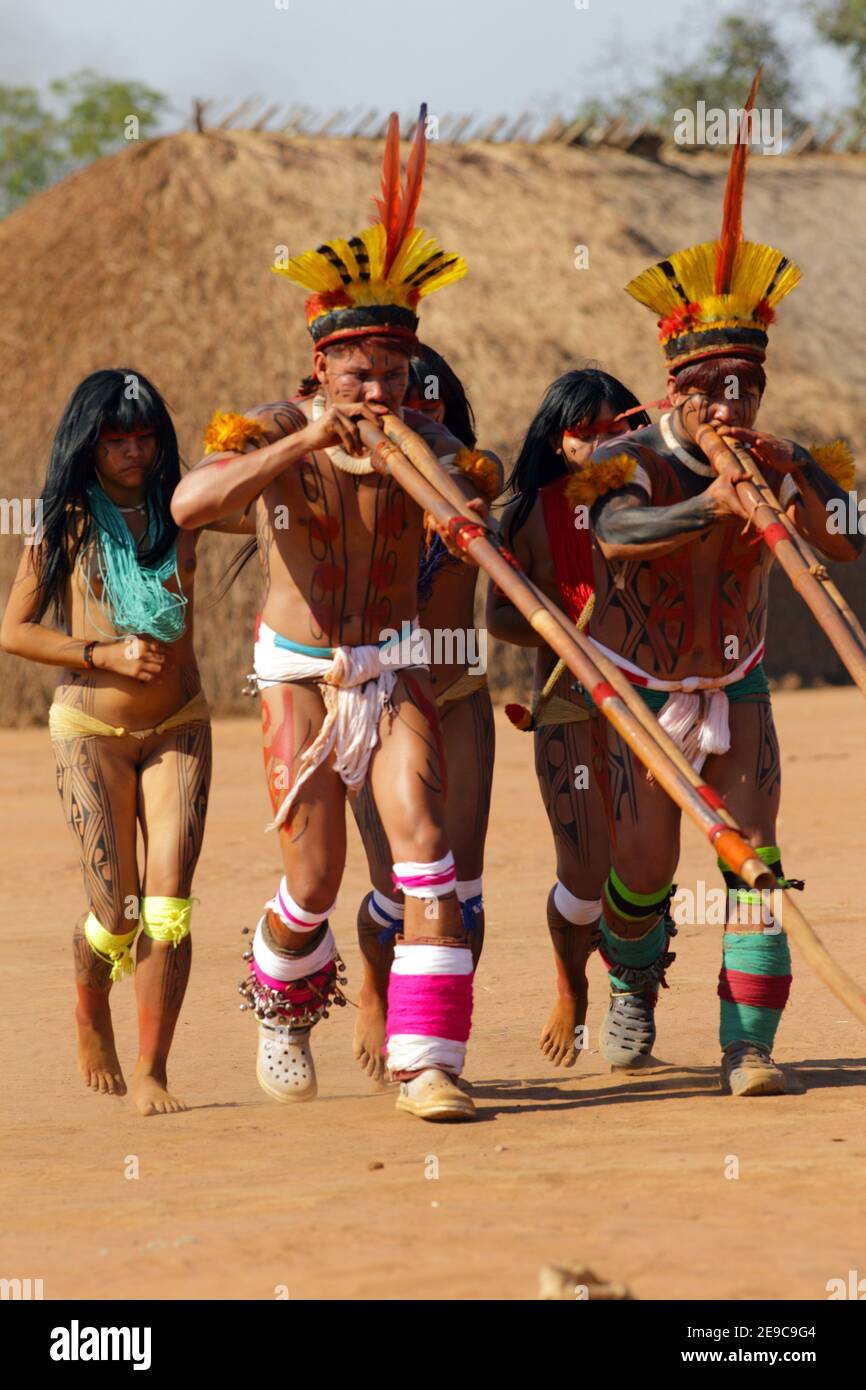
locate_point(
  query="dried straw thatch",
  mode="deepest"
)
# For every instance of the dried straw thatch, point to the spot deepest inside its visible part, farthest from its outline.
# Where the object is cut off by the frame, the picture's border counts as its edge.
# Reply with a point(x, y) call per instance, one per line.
point(158, 258)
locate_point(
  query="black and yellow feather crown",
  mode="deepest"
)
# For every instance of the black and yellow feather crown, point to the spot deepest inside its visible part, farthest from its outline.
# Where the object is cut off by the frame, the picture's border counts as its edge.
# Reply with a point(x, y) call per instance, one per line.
point(372, 282)
point(718, 298)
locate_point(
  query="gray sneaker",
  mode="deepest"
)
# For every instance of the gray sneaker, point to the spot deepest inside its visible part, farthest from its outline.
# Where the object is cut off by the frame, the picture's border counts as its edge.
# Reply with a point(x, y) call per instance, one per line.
point(629, 1028)
point(749, 1070)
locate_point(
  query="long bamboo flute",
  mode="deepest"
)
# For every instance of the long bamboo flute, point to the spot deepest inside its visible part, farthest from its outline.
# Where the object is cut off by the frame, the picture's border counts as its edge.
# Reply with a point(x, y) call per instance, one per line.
point(790, 554)
point(747, 461)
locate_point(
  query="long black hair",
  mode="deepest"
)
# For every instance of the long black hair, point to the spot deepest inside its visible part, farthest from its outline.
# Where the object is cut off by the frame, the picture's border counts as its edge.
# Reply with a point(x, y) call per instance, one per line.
point(575, 398)
point(459, 417)
point(114, 398)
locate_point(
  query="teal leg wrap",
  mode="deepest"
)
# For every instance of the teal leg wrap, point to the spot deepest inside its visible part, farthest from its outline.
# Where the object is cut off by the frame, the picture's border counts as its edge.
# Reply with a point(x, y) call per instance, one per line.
point(636, 963)
point(754, 983)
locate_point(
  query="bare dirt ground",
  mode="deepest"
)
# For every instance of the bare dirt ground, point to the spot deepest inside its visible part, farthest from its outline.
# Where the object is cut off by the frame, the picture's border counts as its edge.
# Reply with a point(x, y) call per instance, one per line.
point(239, 1196)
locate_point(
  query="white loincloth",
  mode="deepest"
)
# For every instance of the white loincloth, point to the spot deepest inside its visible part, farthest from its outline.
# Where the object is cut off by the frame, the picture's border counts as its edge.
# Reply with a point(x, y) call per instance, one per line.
point(695, 715)
point(356, 685)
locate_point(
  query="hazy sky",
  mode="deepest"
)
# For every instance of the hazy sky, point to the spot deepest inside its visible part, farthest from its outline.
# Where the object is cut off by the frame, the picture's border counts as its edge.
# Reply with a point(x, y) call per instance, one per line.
point(488, 56)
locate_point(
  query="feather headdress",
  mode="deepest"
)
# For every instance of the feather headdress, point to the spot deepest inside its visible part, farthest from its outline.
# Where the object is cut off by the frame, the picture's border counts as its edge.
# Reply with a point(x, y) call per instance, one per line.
point(719, 298)
point(372, 282)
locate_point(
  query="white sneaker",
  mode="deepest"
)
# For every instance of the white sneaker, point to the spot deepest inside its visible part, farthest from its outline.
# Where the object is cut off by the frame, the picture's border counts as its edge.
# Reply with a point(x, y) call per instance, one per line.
point(284, 1063)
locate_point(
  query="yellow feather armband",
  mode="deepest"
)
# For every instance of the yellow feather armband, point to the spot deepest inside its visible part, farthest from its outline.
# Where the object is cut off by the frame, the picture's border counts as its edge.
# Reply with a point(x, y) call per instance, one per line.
point(230, 433)
point(589, 481)
point(481, 470)
point(836, 459)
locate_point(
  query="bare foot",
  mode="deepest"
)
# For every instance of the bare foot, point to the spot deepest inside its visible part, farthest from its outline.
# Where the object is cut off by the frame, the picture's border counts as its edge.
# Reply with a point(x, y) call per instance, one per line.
point(151, 1093)
point(369, 1038)
point(97, 1055)
point(559, 1040)
point(563, 1034)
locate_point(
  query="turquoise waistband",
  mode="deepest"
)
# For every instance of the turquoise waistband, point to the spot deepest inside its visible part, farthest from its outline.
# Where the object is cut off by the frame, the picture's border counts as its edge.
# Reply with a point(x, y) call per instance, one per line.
point(326, 653)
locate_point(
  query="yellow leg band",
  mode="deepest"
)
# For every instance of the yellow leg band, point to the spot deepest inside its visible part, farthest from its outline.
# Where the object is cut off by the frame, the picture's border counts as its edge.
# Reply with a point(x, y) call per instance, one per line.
point(166, 919)
point(112, 947)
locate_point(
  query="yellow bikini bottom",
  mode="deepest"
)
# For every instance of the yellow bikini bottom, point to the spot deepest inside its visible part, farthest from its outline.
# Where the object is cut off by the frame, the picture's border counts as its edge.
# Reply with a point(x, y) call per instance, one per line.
point(66, 721)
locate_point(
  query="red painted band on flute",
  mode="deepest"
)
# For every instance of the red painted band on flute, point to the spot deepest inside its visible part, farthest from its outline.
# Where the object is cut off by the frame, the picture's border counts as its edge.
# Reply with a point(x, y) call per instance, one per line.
point(774, 533)
point(602, 692)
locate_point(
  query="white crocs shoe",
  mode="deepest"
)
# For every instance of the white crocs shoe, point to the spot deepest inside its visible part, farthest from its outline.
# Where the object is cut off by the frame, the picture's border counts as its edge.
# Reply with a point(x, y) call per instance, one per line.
point(284, 1063)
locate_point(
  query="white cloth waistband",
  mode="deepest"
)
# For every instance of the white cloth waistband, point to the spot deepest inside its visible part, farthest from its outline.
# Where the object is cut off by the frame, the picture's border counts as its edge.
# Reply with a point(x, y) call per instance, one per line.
point(696, 712)
point(688, 683)
point(355, 686)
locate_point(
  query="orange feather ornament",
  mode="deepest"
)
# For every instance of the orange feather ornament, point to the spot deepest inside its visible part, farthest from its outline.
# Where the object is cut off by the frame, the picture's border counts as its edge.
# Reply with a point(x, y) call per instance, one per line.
point(414, 179)
point(732, 211)
point(388, 206)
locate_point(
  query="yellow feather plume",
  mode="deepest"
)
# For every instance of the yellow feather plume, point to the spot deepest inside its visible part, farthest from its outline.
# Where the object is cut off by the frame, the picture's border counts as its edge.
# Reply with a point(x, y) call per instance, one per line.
point(694, 268)
point(590, 481)
point(481, 469)
point(836, 459)
point(230, 433)
point(312, 271)
point(315, 272)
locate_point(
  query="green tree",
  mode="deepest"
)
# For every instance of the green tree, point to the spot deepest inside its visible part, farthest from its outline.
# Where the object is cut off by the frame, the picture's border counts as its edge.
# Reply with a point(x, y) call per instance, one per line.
point(97, 110)
point(31, 152)
point(722, 74)
point(89, 118)
point(719, 73)
point(843, 23)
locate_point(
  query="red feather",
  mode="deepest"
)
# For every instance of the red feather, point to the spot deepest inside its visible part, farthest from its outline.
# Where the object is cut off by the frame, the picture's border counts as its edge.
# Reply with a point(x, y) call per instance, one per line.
point(732, 211)
point(414, 178)
point(388, 205)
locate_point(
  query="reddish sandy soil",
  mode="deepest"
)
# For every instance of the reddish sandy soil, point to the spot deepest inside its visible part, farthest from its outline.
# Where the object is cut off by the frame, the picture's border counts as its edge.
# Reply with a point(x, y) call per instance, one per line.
point(239, 1195)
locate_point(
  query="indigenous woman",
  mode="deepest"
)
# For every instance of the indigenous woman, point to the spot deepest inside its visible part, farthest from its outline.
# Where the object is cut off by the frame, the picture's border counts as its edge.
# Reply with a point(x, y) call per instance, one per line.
point(129, 724)
point(546, 524)
point(446, 601)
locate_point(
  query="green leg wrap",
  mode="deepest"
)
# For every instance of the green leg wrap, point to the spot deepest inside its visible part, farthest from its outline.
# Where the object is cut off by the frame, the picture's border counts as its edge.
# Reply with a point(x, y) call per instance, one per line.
point(754, 984)
point(639, 962)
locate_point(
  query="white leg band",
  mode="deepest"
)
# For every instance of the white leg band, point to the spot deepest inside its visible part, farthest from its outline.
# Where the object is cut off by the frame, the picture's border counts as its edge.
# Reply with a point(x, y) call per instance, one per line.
point(413, 1052)
point(292, 915)
point(384, 911)
point(287, 968)
point(434, 880)
point(580, 912)
point(432, 960)
point(469, 888)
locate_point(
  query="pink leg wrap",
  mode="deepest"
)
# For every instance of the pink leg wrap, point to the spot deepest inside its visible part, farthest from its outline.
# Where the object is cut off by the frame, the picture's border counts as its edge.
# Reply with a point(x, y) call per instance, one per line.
point(429, 1007)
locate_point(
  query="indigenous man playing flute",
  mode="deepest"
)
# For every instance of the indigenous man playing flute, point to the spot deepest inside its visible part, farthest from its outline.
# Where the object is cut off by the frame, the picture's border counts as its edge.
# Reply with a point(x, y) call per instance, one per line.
point(338, 705)
point(446, 598)
point(681, 607)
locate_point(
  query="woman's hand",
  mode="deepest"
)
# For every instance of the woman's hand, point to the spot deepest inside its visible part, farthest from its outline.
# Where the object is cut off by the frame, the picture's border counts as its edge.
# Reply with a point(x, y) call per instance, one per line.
point(137, 658)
